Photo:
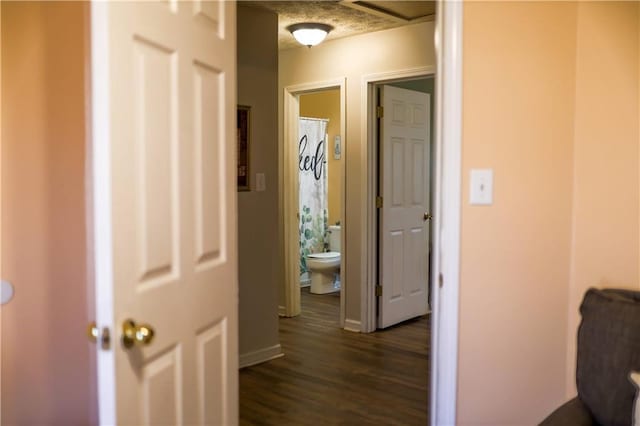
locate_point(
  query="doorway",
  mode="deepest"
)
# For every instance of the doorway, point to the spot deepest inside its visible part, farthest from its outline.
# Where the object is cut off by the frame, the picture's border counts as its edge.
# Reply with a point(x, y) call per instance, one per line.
point(447, 399)
point(299, 101)
point(422, 80)
point(403, 129)
point(320, 204)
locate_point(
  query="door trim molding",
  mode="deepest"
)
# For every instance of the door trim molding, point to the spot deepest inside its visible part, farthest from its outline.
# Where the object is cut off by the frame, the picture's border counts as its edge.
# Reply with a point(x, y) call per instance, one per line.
point(100, 233)
point(289, 162)
point(444, 336)
point(369, 168)
point(352, 325)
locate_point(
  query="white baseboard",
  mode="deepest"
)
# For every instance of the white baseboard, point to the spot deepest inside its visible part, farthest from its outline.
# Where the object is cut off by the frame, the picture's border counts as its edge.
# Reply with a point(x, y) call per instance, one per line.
point(260, 356)
point(352, 325)
point(282, 311)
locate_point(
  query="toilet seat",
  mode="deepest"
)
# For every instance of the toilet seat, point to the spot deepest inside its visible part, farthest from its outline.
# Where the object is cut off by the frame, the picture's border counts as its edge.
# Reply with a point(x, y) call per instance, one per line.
point(323, 261)
point(329, 255)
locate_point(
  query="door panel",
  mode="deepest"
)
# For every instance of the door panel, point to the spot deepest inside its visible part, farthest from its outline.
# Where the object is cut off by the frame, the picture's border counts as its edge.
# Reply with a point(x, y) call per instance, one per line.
point(172, 220)
point(404, 236)
point(212, 367)
point(154, 99)
point(162, 389)
point(397, 262)
point(208, 88)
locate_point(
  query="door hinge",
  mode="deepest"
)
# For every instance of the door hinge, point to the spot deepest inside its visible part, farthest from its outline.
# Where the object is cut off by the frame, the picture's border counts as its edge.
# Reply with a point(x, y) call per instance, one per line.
point(440, 280)
point(378, 290)
point(378, 202)
point(379, 112)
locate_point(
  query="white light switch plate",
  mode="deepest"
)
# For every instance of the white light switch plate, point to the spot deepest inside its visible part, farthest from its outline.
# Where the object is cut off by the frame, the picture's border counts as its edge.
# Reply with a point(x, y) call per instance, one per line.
point(260, 182)
point(6, 292)
point(481, 187)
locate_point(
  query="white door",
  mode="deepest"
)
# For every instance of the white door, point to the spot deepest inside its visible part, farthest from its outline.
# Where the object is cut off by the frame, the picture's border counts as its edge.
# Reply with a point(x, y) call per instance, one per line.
point(164, 211)
point(404, 224)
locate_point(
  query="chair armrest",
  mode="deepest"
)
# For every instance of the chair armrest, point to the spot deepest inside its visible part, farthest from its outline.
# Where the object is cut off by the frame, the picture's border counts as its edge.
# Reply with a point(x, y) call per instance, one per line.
point(572, 413)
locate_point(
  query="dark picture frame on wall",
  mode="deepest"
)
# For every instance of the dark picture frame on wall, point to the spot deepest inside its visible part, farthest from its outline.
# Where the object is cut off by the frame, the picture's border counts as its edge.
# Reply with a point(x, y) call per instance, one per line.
point(244, 140)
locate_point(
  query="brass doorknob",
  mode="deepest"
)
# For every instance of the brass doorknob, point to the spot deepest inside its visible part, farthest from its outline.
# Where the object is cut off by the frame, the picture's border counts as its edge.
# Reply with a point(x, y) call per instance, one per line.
point(427, 216)
point(133, 334)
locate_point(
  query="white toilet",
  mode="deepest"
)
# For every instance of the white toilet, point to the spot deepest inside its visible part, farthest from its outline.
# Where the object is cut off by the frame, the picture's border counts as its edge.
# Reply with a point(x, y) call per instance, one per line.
point(325, 267)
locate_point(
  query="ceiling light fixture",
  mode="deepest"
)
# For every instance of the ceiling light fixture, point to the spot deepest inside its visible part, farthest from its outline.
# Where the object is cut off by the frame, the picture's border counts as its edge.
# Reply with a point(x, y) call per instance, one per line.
point(309, 33)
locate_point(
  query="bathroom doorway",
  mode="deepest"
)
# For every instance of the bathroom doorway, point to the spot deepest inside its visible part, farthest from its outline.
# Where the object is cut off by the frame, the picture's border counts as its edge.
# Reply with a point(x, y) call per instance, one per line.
point(314, 188)
point(320, 203)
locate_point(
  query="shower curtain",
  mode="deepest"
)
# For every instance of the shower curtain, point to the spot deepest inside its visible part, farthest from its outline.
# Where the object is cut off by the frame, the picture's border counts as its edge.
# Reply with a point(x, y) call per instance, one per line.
point(312, 165)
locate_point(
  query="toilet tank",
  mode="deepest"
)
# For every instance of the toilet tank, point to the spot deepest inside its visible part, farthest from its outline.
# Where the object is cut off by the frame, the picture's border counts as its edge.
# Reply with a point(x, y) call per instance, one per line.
point(334, 238)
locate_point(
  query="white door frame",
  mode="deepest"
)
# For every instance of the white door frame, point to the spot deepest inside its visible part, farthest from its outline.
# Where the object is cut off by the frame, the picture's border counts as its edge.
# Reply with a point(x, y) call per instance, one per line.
point(446, 206)
point(99, 208)
point(290, 192)
point(447, 209)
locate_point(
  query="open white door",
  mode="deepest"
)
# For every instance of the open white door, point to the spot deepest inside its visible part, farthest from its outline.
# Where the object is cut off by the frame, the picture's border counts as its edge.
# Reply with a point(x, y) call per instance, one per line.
point(164, 211)
point(404, 216)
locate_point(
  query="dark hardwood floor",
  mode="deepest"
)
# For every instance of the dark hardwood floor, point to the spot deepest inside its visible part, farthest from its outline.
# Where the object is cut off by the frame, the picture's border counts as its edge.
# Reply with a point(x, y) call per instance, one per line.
point(332, 376)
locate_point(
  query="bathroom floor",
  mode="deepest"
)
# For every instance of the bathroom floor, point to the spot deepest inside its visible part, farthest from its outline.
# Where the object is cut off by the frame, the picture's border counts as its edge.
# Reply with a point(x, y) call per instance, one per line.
point(320, 308)
point(332, 376)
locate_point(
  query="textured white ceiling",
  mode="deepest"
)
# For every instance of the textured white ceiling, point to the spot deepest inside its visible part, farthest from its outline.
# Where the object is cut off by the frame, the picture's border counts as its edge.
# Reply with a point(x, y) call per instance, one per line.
point(404, 9)
point(347, 18)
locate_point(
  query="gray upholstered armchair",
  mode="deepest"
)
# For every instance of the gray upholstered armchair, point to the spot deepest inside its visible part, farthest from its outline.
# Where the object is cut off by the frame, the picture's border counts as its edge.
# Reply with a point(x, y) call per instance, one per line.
point(608, 351)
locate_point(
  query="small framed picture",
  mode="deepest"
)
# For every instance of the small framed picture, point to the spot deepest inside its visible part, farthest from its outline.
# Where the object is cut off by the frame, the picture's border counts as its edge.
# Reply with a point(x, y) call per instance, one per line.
point(244, 136)
point(336, 148)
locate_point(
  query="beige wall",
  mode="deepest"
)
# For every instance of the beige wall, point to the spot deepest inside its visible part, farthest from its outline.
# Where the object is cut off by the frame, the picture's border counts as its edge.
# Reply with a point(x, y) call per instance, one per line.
point(555, 114)
point(326, 104)
point(352, 58)
point(606, 192)
point(46, 358)
point(518, 111)
point(260, 262)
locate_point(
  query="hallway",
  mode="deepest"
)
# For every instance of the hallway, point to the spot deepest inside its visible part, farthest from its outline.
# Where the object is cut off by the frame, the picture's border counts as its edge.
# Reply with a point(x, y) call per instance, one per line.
point(332, 376)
